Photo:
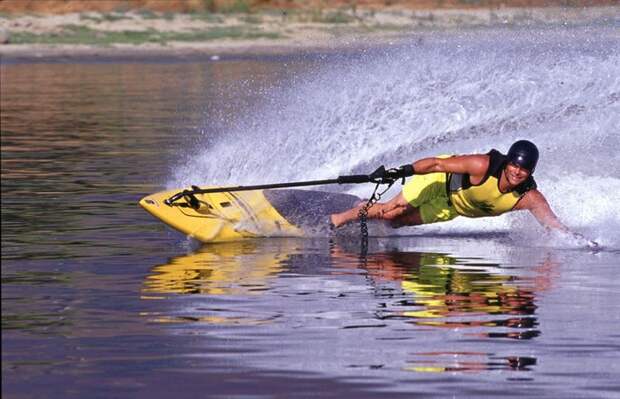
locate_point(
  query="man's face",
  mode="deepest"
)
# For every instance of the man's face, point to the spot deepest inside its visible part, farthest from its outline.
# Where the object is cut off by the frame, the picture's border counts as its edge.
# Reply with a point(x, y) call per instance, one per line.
point(516, 174)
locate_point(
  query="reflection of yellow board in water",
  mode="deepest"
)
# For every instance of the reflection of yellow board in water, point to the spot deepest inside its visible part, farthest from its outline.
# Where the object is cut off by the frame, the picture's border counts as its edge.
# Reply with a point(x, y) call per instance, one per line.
point(237, 268)
point(232, 216)
point(243, 268)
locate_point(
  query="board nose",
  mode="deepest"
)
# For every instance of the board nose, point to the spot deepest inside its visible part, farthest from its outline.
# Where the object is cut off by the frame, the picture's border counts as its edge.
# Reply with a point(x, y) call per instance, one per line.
point(148, 202)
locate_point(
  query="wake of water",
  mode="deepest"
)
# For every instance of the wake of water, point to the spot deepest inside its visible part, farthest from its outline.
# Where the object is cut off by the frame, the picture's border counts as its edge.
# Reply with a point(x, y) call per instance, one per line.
point(444, 93)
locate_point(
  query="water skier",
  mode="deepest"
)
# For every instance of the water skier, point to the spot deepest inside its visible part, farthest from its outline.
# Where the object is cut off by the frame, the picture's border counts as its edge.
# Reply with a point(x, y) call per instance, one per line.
point(473, 186)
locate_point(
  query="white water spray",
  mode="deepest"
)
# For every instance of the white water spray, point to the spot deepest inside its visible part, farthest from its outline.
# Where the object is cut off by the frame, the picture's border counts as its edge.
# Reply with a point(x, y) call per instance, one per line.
point(442, 94)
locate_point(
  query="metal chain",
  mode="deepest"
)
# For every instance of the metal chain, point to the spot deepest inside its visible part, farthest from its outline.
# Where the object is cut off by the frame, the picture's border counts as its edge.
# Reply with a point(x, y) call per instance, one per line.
point(363, 217)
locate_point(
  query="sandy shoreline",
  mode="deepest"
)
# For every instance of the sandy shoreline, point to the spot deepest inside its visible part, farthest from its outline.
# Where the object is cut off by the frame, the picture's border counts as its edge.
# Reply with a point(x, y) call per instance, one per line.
point(360, 30)
point(193, 51)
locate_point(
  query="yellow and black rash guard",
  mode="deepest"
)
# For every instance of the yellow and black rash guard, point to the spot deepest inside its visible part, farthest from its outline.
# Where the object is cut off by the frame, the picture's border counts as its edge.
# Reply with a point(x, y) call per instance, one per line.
point(485, 199)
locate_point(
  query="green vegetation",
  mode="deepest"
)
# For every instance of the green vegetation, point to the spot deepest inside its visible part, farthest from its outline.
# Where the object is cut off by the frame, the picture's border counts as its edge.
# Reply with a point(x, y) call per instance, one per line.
point(148, 14)
point(317, 15)
point(207, 17)
point(73, 34)
point(385, 28)
point(107, 17)
point(87, 17)
point(238, 7)
point(252, 19)
point(232, 32)
point(333, 17)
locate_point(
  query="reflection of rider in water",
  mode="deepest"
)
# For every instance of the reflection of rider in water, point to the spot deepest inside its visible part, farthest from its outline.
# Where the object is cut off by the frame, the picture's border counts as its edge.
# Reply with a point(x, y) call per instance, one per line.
point(442, 292)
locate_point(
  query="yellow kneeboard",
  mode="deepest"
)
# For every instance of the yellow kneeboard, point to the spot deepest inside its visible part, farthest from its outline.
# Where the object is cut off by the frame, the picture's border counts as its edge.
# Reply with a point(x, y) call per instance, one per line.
point(236, 215)
point(221, 217)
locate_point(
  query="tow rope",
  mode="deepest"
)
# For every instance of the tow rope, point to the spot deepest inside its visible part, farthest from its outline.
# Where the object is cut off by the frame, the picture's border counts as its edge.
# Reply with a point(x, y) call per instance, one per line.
point(381, 176)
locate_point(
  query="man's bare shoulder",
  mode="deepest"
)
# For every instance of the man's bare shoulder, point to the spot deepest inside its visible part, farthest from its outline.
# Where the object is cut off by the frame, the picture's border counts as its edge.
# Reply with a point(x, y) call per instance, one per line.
point(473, 164)
point(532, 199)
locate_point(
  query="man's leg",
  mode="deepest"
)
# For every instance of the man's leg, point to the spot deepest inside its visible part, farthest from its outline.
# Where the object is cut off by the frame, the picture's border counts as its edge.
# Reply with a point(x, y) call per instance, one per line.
point(410, 217)
point(390, 210)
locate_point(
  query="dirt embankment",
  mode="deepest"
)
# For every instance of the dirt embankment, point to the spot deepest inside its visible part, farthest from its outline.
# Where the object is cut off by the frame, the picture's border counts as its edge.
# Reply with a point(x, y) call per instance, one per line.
point(40, 28)
point(218, 6)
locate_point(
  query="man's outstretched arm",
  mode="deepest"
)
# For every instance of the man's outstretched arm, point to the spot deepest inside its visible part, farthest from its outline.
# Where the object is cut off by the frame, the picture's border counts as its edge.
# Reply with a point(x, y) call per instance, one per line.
point(537, 204)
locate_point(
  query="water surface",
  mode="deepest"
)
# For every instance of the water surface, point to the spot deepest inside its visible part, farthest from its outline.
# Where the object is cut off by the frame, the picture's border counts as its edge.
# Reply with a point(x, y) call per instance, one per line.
point(101, 300)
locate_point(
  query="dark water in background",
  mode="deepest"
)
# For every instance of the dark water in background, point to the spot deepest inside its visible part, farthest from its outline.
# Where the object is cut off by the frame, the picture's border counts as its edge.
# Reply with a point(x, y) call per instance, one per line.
point(101, 300)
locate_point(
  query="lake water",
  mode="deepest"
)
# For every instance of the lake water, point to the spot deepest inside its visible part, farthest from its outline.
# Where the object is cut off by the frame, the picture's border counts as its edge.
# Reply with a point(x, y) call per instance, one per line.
point(101, 300)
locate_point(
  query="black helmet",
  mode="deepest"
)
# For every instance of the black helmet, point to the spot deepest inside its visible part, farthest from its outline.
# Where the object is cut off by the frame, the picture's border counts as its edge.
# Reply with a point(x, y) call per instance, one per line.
point(524, 154)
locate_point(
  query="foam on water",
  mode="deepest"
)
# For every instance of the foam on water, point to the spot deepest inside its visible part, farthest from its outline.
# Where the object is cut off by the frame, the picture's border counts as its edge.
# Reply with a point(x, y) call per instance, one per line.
point(443, 94)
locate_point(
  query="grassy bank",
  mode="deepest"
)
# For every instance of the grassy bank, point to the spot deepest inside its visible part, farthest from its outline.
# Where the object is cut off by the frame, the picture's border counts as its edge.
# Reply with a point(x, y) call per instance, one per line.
point(150, 27)
point(242, 30)
point(84, 35)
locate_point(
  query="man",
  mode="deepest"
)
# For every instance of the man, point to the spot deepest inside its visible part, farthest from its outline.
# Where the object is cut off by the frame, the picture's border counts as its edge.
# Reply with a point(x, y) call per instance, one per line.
point(465, 185)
